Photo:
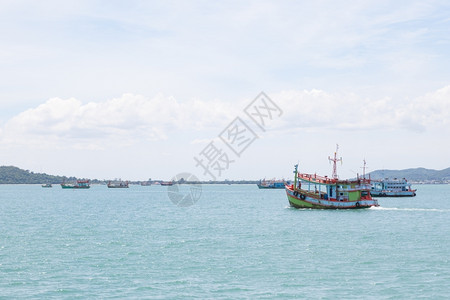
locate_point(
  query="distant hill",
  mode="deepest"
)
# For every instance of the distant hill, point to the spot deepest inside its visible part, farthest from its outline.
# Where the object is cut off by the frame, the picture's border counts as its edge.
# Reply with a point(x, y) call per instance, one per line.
point(417, 174)
point(14, 175)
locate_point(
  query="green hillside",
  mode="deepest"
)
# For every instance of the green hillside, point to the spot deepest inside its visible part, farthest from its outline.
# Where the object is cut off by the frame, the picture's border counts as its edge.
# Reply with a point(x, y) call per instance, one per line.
point(14, 175)
point(416, 174)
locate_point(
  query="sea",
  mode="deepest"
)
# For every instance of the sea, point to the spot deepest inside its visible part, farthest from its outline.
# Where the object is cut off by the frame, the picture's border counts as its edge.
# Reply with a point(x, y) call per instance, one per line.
point(231, 242)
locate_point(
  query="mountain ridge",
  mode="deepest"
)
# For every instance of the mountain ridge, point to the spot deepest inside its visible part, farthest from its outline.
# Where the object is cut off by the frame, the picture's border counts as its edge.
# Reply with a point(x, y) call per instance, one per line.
point(413, 174)
point(15, 175)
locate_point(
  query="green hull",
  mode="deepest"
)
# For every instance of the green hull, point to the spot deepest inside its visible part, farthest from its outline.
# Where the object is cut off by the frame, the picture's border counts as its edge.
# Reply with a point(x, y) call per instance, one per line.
point(303, 201)
point(297, 203)
point(74, 187)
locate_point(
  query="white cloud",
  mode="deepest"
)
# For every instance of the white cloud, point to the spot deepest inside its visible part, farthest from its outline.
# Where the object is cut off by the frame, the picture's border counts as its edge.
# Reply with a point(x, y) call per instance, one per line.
point(120, 121)
point(433, 109)
point(131, 118)
point(319, 110)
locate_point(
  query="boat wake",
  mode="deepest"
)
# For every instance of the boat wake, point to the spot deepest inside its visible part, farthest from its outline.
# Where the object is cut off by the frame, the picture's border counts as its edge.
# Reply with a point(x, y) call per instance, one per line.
point(383, 208)
point(409, 209)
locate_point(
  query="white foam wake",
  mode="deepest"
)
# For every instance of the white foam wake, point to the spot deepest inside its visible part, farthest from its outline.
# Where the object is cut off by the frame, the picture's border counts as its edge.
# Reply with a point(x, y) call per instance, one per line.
point(409, 209)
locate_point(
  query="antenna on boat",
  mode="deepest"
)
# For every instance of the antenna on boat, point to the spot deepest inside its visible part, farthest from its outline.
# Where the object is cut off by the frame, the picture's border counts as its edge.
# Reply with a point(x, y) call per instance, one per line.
point(335, 160)
point(364, 168)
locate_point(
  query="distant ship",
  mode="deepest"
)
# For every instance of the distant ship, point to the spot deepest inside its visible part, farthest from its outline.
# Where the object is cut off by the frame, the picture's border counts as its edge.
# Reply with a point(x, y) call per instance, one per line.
point(167, 183)
point(118, 185)
point(46, 185)
point(392, 188)
point(272, 184)
point(81, 184)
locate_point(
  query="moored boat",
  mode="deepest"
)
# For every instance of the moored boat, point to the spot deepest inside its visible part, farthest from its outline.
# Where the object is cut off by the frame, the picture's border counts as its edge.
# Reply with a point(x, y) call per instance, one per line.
point(67, 185)
point(272, 184)
point(149, 182)
point(81, 184)
point(313, 191)
point(392, 188)
point(46, 185)
point(167, 183)
point(119, 185)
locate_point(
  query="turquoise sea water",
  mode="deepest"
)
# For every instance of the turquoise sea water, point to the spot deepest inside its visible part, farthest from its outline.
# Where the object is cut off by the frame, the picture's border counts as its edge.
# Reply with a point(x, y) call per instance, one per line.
point(236, 242)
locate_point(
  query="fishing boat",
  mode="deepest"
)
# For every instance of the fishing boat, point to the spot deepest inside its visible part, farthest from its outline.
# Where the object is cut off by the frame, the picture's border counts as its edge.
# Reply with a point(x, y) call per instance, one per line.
point(167, 183)
point(46, 185)
point(119, 185)
point(272, 184)
point(81, 184)
point(313, 191)
point(392, 188)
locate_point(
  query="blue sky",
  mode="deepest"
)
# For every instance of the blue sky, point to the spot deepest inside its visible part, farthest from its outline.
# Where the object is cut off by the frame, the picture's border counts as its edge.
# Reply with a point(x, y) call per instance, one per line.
point(136, 89)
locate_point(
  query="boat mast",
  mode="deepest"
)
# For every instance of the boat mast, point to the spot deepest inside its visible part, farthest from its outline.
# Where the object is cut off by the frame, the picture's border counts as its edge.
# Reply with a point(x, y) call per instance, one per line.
point(364, 169)
point(335, 160)
point(295, 176)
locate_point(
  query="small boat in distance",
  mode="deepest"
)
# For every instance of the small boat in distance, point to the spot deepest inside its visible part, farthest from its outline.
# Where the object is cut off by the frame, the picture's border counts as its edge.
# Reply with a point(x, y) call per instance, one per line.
point(272, 184)
point(313, 191)
point(392, 188)
point(81, 184)
point(167, 183)
point(46, 185)
point(149, 182)
point(120, 185)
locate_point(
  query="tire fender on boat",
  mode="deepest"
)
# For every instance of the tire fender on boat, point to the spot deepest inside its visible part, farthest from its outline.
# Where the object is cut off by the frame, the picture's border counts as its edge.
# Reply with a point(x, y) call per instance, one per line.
point(357, 204)
point(303, 197)
point(295, 193)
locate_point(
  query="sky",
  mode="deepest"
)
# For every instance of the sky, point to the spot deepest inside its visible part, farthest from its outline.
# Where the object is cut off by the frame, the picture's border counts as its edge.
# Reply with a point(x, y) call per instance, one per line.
point(150, 89)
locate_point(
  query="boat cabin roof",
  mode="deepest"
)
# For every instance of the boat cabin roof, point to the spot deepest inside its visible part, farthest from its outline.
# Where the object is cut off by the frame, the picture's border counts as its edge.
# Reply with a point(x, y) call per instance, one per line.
point(316, 179)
